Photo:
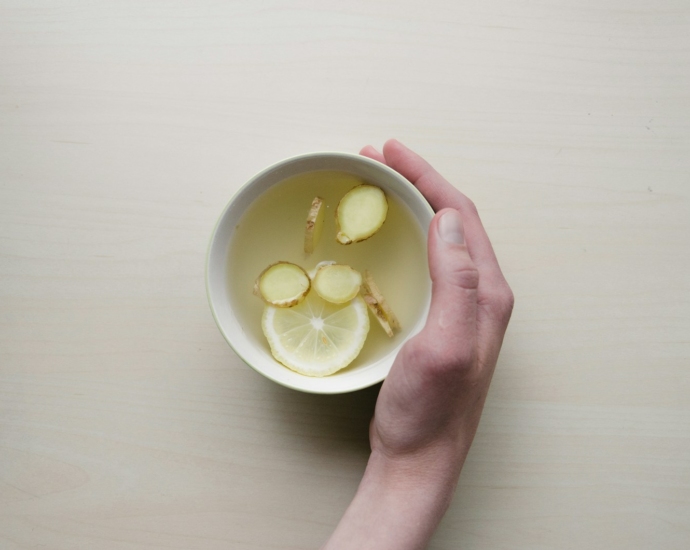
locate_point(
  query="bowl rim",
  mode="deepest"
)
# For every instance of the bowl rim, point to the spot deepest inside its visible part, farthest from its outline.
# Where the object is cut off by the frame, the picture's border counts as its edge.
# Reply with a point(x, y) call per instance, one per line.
point(258, 175)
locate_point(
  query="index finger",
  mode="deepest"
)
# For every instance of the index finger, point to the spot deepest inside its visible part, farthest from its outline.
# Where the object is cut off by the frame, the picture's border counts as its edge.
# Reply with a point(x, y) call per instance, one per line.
point(442, 194)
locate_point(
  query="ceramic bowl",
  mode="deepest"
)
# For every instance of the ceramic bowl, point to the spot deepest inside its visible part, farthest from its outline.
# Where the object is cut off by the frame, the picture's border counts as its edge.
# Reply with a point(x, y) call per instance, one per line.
point(257, 354)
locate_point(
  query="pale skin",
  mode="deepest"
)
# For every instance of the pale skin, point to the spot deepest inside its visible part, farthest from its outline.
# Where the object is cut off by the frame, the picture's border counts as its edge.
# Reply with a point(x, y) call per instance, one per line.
point(429, 407)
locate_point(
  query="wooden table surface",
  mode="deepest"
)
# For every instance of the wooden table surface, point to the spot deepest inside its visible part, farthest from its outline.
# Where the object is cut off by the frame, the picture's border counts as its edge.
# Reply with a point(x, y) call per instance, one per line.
point(126, 422)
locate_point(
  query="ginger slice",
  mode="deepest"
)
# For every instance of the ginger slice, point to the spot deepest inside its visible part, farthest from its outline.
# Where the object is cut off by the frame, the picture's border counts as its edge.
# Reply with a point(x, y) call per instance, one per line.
point(378, 305)
point(282, 284)
point(360, 213)
point(337, 283)
point(312, 272)
point(375, 308)
point(312, 232)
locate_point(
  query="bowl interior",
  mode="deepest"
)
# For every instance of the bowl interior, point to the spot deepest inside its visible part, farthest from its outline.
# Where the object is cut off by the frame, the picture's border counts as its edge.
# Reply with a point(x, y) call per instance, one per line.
point(217, 267)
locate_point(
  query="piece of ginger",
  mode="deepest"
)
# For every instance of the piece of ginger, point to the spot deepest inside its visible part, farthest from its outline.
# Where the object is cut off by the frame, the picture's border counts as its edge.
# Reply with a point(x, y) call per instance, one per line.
point(379, 306)
point(282, 284)
point(337, 283)
point(314, 227)
point(360, 213)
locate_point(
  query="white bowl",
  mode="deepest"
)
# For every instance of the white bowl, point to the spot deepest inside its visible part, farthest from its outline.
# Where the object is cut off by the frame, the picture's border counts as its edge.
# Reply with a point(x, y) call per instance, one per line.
point(217, 267)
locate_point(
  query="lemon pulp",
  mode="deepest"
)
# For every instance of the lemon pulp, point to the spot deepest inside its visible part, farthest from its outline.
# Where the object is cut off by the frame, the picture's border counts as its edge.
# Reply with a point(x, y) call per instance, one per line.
point(316, 338)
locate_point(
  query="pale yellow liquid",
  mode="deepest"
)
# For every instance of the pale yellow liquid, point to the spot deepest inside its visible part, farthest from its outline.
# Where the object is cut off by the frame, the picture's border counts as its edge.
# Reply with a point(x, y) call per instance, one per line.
point(272, 229)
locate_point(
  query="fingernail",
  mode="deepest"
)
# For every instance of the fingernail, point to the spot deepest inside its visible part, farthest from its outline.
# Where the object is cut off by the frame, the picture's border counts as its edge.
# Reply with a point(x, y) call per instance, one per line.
point(450, 227)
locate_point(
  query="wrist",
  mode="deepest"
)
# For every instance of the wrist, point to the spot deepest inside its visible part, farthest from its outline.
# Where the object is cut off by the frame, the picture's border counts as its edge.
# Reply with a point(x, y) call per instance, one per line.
point(398, 504)
point(424, 483)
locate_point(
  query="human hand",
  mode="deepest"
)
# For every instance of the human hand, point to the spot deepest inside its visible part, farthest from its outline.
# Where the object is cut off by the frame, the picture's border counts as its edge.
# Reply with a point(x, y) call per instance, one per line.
point(429, 406)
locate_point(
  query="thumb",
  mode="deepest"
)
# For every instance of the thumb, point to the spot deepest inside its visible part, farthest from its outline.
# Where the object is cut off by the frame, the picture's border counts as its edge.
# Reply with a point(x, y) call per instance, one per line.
point(452, 322)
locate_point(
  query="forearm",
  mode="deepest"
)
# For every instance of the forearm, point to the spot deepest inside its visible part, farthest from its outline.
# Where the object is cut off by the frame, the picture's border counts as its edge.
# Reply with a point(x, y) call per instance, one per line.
point(398, 505)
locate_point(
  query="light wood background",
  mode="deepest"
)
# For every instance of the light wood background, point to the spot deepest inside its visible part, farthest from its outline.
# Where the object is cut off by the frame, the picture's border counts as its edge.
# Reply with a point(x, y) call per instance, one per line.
point(126, 422)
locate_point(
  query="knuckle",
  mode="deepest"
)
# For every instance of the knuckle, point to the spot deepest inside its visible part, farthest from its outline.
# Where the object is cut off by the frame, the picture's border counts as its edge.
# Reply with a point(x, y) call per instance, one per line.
point(469, 205)
point(457, 270)
point(440, 359)
point(418, 351)
point(503, 302)
point(509, 300)
point(466, 276)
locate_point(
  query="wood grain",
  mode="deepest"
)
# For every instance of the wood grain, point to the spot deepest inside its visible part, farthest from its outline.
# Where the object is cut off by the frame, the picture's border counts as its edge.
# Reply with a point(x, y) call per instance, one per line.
point(126, 422)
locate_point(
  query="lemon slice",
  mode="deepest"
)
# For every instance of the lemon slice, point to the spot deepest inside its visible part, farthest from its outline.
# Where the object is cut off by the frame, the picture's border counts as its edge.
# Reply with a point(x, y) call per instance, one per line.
point(316, 338)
